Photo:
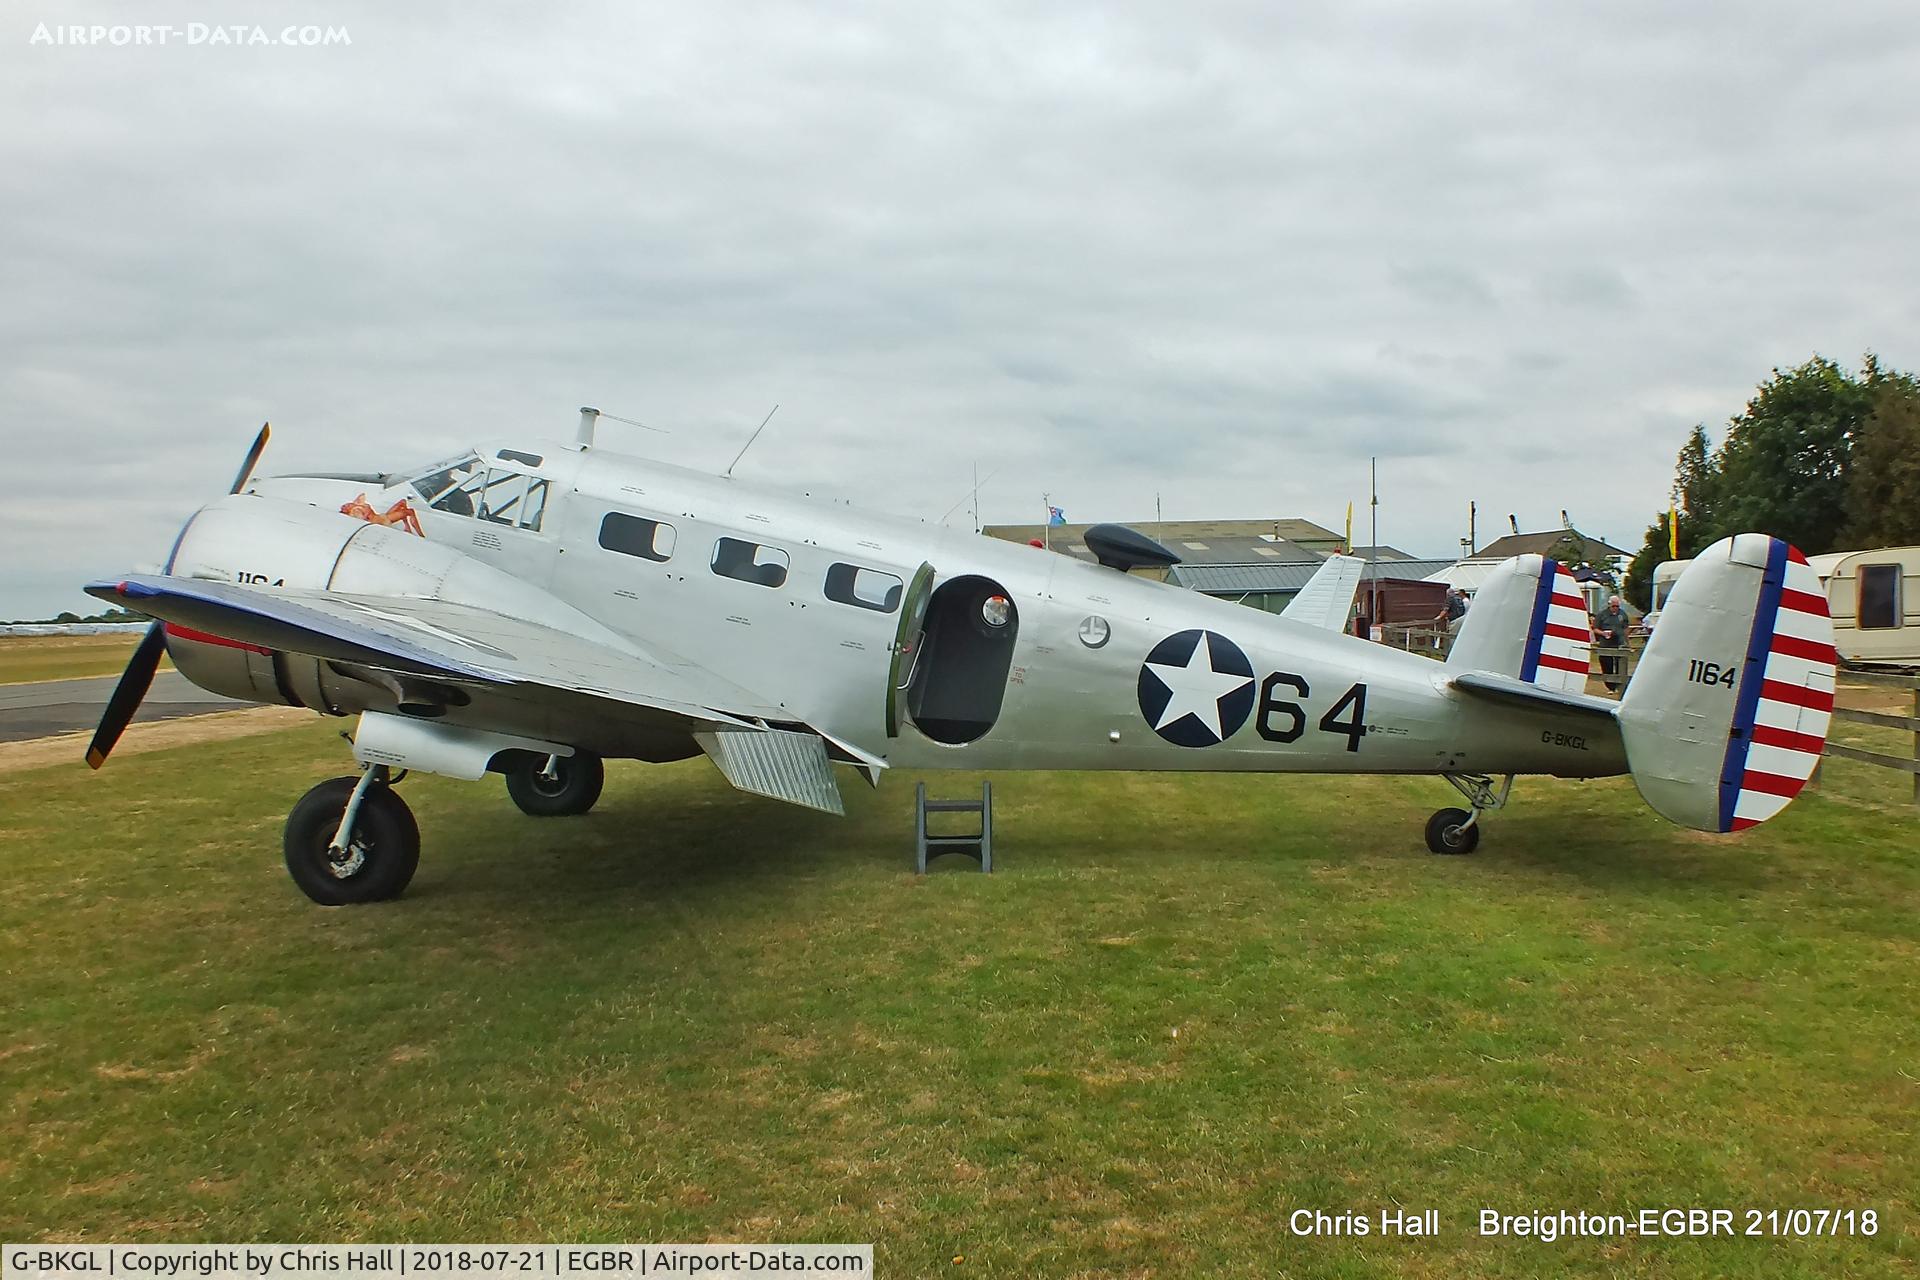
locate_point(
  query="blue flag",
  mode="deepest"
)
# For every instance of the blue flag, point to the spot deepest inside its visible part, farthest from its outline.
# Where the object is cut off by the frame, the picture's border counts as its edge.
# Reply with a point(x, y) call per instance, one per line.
point(1055, 516)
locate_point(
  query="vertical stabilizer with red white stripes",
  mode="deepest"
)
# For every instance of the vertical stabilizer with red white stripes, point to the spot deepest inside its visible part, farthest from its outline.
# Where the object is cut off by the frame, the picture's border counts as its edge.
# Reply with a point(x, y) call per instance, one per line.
point(1527, 621)
point(1727, 714)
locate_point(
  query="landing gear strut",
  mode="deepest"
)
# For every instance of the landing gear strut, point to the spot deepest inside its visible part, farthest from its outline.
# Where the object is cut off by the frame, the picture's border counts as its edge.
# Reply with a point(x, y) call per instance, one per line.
point(1456, 831)
point(556, 786)
point(352, 840)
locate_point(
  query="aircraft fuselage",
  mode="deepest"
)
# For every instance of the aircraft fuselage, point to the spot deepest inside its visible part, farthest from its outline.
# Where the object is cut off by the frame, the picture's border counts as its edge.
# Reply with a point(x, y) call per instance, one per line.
point(803, 599)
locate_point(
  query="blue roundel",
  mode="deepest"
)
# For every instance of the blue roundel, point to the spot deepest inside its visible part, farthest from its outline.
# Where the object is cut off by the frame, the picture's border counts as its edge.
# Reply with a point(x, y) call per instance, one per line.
point(1196, 688)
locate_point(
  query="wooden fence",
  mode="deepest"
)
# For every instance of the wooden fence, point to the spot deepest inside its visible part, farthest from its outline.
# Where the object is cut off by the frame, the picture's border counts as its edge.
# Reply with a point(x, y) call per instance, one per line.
point(1910, 723)
point(1432, 641)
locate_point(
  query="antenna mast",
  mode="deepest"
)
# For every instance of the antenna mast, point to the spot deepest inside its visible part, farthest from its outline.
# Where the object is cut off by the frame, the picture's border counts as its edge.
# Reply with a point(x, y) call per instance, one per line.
point(728, 473)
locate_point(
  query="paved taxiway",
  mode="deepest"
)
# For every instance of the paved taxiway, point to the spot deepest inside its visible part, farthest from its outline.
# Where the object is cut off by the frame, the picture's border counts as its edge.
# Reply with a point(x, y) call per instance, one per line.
point(47, 707)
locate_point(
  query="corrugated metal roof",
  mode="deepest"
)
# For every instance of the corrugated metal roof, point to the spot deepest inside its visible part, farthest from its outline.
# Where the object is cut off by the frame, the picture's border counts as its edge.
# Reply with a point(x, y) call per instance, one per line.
point(1234, 579)
point(1468, 575)
point(1543, 543)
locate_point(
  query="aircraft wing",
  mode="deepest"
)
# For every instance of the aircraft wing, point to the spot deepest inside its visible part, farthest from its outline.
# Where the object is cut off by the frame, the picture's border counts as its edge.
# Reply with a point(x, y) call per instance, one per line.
point(1327, 599)
point(486, 652)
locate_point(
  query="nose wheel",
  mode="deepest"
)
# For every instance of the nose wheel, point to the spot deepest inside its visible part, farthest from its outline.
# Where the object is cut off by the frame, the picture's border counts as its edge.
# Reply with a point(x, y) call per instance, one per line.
point(352, 840)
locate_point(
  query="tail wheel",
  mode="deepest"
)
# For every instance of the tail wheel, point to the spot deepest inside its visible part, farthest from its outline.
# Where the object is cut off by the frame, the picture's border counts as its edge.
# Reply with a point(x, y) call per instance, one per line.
point(380, 858)
point(1448, 833)
point(571, 788)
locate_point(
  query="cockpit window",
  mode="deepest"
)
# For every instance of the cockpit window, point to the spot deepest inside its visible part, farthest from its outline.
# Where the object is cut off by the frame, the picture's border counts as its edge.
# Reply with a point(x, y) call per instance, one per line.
point(503, 499)
point(467, 487)
point(435, 481)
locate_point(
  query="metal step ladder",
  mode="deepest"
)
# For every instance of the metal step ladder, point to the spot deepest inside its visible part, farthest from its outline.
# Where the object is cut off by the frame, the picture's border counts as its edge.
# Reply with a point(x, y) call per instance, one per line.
point(974, 846)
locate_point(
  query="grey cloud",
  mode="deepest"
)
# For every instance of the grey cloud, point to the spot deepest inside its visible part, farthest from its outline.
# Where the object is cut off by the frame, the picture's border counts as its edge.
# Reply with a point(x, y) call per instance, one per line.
point(1223, 253)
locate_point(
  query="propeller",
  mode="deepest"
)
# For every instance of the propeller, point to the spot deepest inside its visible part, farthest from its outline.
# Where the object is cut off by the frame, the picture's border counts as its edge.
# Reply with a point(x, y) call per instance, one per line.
point(138, 677)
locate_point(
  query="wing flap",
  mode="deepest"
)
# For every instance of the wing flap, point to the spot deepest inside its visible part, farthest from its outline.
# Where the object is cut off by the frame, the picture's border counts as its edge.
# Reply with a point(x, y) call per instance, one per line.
point(777, 763)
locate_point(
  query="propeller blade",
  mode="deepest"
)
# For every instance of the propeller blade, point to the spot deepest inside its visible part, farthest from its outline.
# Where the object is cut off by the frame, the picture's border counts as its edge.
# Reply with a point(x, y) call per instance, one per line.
point(253, 458)
point(134, 682)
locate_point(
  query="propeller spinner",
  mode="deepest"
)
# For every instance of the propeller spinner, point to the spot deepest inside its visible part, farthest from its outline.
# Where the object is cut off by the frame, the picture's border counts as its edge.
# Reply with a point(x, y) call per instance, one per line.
point(138, 677)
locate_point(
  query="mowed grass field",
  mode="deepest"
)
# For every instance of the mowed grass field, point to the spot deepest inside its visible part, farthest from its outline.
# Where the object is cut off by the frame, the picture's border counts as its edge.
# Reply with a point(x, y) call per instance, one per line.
point(1182, 1008)
point(27, 658)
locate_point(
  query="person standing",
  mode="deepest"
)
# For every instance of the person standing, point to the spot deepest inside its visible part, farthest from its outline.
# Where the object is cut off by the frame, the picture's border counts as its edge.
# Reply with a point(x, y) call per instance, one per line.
point(1610, 633)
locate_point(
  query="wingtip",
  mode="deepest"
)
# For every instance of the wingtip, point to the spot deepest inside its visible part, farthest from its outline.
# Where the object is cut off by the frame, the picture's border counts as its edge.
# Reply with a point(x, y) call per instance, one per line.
point(95, 757)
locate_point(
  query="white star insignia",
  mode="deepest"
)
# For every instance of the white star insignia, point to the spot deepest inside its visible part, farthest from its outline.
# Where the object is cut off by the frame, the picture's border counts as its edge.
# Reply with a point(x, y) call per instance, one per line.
point(1196, 688)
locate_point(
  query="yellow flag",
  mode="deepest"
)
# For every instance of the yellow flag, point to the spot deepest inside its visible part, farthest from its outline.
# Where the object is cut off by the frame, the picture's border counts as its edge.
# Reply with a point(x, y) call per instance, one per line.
point(1349, 528)
point(1673, 531)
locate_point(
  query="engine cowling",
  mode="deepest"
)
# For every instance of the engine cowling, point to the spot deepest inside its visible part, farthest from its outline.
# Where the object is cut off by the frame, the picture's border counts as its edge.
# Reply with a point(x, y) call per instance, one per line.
point(274, 544)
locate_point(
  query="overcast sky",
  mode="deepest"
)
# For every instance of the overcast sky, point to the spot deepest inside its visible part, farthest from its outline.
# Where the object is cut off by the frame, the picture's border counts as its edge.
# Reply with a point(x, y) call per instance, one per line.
point(1218, 252)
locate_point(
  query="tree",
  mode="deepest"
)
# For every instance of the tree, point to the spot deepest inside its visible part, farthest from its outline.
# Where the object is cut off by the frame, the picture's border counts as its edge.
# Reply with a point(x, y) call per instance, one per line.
point(1696, 494)
point(1696, 486)
point(1783, 466)
point(1883, 482)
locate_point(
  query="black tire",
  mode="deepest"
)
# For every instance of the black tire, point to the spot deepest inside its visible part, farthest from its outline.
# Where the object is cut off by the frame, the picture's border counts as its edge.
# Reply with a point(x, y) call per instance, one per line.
point(575, 791)
point(1448, 834)
point(386, 842)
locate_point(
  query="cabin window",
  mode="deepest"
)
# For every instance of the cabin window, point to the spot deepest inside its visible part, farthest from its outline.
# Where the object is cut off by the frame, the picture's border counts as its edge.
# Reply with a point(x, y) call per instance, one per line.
point(750, 562)
point(637, 536)
point(864, 588)
point(1878, 605)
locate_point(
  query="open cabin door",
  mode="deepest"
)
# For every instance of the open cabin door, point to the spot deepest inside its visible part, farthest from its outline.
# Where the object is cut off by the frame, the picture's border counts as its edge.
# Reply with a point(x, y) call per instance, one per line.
point(958, 679)
point(908, 640)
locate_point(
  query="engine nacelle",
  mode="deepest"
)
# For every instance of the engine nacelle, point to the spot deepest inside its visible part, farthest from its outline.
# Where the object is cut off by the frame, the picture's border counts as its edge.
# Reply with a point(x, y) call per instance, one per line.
point(271, 544)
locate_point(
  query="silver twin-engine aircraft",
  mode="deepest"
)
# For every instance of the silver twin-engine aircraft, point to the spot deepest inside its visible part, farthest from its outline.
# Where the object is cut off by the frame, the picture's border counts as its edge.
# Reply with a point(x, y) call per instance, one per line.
point(535, 608)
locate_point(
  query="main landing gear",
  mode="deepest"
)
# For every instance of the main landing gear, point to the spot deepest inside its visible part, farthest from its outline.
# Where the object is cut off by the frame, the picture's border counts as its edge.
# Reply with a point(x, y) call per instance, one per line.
point(556, 786)
point(352, 840)
point(1456, 831)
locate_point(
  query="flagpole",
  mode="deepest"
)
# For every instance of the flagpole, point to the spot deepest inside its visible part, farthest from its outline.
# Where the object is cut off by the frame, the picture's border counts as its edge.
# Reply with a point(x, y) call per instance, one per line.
point(1373, 472)
point(1046, 525)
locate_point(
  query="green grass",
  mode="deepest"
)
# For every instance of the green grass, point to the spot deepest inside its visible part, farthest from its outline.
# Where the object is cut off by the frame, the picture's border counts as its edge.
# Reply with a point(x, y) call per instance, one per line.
point(28, 658)
point(1183, 1007)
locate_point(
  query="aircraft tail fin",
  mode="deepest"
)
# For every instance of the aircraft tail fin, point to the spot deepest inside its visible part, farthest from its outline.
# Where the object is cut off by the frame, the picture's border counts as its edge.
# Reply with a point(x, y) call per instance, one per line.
point(1726, 716)
point(1527, 621)
point(1327, 599)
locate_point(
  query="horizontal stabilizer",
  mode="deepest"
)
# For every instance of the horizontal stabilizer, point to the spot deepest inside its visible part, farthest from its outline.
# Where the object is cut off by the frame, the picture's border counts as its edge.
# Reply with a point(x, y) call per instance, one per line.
point(777, 763)
point(1498, 688)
